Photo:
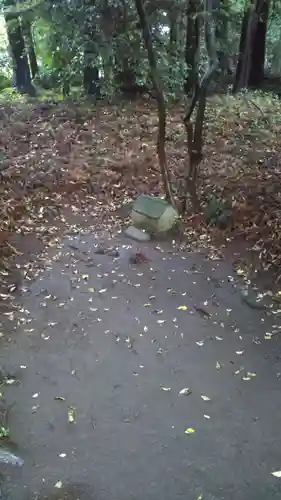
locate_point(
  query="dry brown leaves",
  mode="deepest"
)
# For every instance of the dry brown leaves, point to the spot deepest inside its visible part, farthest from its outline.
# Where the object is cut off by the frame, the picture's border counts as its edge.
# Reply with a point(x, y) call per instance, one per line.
point(59, 153)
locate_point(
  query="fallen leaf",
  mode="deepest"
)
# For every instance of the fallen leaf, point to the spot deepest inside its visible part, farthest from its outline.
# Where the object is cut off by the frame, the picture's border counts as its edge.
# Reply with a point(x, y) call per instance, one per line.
point(218, 365)
point(35, 395)
point(71, 414)
point(182, 308)
point(240, 271)
point(10, 381)
point(62, 455)
point(207, 417)
point(91, 290)
point(58, 484)
point(239, 353)
point(166, 389)
point(276, 473)
point(186, 391)
point(59, 398)
point(205, 398)
point(200, 343)
point(189, 430)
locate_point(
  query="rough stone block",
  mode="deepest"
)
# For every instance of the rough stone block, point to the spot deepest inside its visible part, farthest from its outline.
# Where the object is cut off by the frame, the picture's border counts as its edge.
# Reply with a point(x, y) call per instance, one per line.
point(153, 214)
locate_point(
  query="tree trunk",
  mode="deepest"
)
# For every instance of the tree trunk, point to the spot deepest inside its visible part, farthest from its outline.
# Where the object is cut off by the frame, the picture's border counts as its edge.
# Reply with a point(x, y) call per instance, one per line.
point(21, 77)
point(27, 32)
point(250, 67)
point(91, 80)
point(192, 45)
point(107, 47)
point(245, 49)
point(259, 39)
point(161, 139)
point(194, 130)
point(221, 17)
point(173, 18)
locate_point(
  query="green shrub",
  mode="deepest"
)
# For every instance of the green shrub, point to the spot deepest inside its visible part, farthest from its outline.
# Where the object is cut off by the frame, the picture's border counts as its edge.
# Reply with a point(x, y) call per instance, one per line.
point(4, 82)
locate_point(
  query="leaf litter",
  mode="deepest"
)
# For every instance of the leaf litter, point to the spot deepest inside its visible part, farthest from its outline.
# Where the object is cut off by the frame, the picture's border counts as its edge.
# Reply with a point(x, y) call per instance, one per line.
point(72, 181)
point(73, 156)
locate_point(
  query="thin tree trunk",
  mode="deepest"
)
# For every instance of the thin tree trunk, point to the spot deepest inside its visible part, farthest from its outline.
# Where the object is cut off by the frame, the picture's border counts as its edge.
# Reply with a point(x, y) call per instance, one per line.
point(91, 80)
point(173, 18)
point(161, 149)
point(221, 17)
point(192, 45)
point(194, 131)
point(27, 32)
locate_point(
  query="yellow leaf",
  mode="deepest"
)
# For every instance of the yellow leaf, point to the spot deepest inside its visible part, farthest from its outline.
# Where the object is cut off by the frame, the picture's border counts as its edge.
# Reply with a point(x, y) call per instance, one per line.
point(189, 430)
point(91, 290)
point(85, 276)
point(182, 308)
point(240, 271)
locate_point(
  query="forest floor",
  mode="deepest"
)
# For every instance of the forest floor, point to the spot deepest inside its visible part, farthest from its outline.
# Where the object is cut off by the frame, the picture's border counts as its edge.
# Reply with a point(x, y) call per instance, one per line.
point(127, 379)
point(71, 155)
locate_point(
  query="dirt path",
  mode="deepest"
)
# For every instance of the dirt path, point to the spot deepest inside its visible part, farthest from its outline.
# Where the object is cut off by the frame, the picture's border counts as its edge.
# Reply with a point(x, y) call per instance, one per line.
point(111, 344)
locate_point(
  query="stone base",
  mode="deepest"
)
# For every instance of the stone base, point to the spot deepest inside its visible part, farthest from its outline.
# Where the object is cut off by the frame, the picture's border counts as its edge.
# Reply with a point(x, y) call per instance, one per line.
point(136, 234)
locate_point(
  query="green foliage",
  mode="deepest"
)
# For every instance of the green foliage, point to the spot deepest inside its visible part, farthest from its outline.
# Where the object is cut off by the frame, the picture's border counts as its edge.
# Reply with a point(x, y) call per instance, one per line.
point(4, 432)
point(4, 81)
point(106, 33)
